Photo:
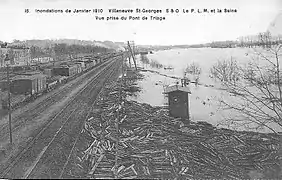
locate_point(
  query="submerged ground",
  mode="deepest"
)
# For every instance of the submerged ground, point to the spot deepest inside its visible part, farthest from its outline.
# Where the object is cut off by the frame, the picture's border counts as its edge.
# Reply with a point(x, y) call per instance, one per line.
point(204, 101)
point(128, 139)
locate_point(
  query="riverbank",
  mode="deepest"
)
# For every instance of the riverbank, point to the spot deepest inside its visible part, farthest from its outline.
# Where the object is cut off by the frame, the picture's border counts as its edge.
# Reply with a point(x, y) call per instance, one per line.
point(153, 145)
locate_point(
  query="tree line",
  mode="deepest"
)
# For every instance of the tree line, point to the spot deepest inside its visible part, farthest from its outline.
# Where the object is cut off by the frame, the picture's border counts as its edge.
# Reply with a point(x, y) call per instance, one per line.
point(255, 87)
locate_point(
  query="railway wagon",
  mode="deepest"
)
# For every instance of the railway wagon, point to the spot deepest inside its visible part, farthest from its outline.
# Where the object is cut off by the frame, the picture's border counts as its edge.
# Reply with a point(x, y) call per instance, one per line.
point(95, 61)
point(33, 67)
point(79, 67)
point(66, 70)
point(18, 68)
point(82, 64)
point(15, 101)
point(61, 79)
point(30, 73)
point(28, 85)
point(48, 72)
point(89, 64)
point(87, 58)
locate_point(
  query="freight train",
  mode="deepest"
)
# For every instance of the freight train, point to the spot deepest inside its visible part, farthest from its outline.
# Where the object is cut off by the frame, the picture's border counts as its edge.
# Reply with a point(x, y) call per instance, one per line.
point(32, 85)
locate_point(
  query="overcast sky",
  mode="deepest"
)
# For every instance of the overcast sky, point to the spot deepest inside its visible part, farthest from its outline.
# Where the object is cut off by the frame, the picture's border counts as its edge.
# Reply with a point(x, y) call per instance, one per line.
point(253, 16)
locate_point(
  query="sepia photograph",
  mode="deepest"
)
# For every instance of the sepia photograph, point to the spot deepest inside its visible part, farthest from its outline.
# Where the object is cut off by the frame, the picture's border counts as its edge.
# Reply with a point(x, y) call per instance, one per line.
point(141, 89)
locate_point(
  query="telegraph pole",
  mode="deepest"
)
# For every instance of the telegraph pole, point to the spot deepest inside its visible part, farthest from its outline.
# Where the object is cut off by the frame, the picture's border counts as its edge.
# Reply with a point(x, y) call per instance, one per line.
point(133, 57)
point(128, 55)
point(118, 117)
point(9, 99)
point(123, 70)
point(133, 47)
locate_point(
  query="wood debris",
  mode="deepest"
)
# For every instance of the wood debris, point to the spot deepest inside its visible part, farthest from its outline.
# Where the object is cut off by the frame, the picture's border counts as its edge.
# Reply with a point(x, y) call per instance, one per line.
point(154, 145)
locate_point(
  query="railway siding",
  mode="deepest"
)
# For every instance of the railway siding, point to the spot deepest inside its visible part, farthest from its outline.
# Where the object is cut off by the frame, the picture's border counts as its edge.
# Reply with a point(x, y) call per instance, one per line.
point(56, 131)
point(22, 115)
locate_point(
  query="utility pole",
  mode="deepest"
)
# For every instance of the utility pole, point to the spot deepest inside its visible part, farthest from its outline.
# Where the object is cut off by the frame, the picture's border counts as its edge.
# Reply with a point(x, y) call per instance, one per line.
point(133, 57)
point(118, 117)
point(9, 99)
point(128, 55)
point(53, 54)
point(123, 71)
point(133, 48)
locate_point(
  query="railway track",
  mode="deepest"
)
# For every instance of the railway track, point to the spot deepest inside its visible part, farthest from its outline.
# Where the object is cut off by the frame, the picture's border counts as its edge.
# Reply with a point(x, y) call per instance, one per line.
point(67, 165)
point(47, 102)
point(67, 143)
point(104, 165)
point(46, 153)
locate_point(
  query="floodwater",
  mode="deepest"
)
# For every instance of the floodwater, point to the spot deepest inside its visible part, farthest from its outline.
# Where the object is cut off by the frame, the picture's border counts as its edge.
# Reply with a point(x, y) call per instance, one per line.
point(204, 99)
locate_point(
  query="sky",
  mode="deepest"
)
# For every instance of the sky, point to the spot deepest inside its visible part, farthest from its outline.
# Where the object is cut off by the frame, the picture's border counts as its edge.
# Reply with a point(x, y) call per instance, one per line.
point(252, 17)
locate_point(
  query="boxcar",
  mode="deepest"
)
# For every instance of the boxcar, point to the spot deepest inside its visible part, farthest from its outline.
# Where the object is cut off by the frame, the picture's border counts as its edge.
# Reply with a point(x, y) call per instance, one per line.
point(48, 72)
point(28, 84)
point(82, 64)
point(89, 64)
point(58, 71)
point(86, 66)
point(79, 67)
point(65, 70)
point(94, 62)
point(72, 70)
point(18, 68)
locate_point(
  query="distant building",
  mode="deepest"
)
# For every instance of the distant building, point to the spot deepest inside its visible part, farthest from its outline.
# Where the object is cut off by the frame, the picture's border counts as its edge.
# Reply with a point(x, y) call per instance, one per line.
point(20, 57)
point(16, 55)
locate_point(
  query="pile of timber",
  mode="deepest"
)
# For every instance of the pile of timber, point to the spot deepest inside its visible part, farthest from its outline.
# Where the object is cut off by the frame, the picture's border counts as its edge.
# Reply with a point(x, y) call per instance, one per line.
point(150, 144)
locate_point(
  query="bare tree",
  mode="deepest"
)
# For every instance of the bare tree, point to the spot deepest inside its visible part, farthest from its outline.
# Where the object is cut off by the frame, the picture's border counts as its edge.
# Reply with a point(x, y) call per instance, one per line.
point(255, 88)
point(226, 70)
point(194, 70)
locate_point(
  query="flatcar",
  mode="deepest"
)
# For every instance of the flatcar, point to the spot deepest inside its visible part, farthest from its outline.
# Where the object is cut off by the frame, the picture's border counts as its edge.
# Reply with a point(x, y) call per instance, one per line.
point(51, 83)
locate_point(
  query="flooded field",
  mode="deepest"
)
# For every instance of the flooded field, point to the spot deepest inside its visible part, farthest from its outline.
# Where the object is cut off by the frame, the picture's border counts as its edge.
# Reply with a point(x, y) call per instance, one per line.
point(204, 98)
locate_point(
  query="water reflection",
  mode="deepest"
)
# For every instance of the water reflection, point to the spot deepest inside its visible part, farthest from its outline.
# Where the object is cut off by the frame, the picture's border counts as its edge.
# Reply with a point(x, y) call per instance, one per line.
point(205, 100)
